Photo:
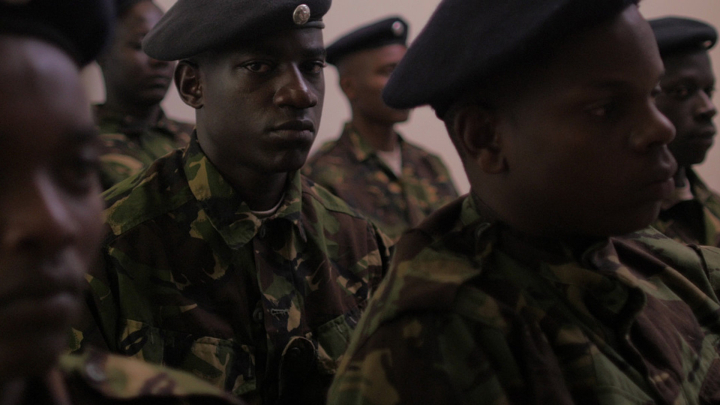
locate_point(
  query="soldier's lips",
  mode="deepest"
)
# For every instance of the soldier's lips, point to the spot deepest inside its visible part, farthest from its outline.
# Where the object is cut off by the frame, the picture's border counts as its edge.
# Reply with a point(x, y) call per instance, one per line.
point(296, 131)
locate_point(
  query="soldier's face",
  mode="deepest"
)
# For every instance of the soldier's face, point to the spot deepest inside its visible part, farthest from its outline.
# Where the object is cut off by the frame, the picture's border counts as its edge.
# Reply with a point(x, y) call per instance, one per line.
point(262, 103)
point(50, 208)
point(369, 72)
point(586, 147)
point(130, 73)
point(686, 99)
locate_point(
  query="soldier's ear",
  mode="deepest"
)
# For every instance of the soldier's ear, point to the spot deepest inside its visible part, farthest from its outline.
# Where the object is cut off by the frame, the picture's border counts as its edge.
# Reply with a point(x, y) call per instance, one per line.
point(478, 134)
point(347, 85)
point(189, 84)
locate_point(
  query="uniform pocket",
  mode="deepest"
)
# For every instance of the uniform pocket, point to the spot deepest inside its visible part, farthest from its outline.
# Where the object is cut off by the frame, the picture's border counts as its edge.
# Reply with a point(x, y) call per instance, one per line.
point(221, 362)
point(333, 339)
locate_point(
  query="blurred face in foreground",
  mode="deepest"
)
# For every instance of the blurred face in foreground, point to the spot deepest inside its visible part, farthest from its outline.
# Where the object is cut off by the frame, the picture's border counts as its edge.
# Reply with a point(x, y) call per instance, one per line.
point(50, 209)
point(581, 149)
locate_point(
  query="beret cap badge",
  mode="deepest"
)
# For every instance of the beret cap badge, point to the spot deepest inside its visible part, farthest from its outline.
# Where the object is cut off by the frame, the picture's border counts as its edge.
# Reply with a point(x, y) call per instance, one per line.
point(301, 15)
point(398, 28)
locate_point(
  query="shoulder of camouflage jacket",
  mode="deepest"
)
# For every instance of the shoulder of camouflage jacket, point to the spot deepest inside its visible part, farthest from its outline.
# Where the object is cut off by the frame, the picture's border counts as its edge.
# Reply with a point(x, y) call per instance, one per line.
point(126, 380)
point(699, 264)
point(428, 268)
point(332, 203)
point(326, 199)
point(431, 264)
point(157, 190)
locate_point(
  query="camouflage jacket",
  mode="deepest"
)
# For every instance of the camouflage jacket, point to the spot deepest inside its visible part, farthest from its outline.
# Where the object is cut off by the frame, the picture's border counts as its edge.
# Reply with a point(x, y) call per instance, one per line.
point(351, 169)
point(194, 280)
point(129, 148)
point(673, 223)
point(99, 379)
point(474, 313)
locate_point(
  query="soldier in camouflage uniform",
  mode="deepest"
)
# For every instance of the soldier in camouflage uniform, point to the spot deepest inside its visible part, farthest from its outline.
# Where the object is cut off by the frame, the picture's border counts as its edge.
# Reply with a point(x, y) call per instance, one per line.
point(133, 127)
point(222, 259)
point(50, 217)
point(389, 180)
point(541, 287)
point(692, 213)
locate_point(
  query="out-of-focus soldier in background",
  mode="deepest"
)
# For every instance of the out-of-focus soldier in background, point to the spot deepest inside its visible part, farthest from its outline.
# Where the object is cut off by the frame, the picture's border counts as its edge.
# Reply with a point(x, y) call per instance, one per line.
point(545, 285)
point(388, 179)
point(133, 127)
point(222, 259)
point(692, 213)
point(50, 216)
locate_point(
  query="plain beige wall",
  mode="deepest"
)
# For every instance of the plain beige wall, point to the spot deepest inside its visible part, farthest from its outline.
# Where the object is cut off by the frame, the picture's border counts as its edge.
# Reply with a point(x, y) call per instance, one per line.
point(423, 127)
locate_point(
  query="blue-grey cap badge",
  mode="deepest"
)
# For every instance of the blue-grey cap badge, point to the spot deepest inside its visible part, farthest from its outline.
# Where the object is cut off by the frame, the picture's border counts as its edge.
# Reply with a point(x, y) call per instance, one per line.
point(301, 15)
point(398, 28)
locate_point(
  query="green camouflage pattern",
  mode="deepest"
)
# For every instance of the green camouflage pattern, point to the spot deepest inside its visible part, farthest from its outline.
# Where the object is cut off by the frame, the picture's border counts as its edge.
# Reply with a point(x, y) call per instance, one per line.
point(351, 169)
point(129, 147)
point(98, 378)
point(672, 223)
point(472, 312)
point(192, 279)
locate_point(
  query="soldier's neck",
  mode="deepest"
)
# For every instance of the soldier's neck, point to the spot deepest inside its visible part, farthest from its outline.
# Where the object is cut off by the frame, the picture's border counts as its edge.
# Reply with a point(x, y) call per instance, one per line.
point(260, 193)
point(380, 135)
point(146, 115)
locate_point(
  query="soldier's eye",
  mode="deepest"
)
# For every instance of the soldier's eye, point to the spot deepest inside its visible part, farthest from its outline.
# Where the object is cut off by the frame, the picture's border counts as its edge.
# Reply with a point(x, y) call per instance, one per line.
point(314, 67)
point(603, 110)
point(257, 67)
point(680, 92)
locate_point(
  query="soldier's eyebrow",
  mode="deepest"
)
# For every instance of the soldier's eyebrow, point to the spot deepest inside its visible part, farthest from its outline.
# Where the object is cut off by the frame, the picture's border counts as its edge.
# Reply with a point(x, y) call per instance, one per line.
point(315, 52)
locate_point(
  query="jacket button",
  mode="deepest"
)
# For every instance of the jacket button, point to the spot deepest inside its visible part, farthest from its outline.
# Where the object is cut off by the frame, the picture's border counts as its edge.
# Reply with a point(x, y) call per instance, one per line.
point(258, 315)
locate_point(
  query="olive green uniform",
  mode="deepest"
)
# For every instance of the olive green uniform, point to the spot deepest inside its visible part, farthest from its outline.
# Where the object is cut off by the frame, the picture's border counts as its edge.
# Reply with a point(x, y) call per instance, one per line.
point(129, 147)
point(260, 306)
point(353, 171)
point(473, 312)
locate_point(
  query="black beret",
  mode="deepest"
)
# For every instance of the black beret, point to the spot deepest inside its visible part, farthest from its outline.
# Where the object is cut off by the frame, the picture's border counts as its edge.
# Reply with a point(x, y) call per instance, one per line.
point(676, 34)
point(80, 27)
point(466, 43)
point(392, 30)
point(192, 27)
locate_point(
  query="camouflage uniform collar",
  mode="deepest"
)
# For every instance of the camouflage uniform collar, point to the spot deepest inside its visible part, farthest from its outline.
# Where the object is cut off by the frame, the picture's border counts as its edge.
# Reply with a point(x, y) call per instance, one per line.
point(228, 213)
point(128, 124)
point(360, 147)
point(699, 189)
point(479, 215)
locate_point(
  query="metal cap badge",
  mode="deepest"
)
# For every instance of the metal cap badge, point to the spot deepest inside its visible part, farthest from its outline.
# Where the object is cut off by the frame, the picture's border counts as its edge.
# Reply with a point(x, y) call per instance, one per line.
point(398, 28)
point(301, 15)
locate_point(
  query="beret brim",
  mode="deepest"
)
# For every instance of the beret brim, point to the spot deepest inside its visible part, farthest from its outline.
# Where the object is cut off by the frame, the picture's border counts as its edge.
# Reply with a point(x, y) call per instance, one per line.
point(467, 42)
point(391, 30)
point(192, 27)
point(678, 34)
